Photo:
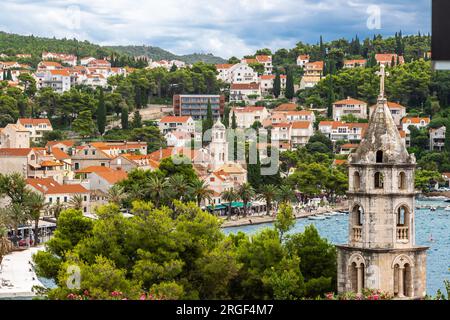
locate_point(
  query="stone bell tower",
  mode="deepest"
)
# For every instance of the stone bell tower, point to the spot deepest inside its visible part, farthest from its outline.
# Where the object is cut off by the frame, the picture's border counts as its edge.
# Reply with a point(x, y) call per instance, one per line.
point(381, 252)
point(219, 145)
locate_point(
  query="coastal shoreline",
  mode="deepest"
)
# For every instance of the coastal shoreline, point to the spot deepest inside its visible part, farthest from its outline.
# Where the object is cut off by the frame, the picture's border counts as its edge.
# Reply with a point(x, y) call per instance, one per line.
point(256, 220)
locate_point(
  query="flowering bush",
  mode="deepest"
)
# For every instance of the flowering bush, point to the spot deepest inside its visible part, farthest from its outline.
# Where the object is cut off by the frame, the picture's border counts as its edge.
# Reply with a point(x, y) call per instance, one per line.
point(115, 295)
point(367, 294)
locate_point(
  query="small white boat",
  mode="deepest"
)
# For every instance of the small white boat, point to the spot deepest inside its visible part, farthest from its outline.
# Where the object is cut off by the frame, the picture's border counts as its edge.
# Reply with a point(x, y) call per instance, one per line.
point(317, 218)
point(447, 208)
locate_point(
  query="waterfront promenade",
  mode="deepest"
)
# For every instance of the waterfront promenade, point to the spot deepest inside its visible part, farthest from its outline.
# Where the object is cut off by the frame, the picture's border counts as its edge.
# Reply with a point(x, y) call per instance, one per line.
point(17, 276)
point(263, 218)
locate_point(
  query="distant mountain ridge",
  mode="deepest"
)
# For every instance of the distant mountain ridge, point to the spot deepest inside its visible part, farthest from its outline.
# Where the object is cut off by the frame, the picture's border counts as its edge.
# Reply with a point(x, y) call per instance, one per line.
point(157, 53)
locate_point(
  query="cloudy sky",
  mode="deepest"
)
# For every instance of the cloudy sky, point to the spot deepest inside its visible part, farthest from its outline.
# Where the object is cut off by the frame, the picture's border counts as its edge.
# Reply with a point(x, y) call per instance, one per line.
point(222, 27)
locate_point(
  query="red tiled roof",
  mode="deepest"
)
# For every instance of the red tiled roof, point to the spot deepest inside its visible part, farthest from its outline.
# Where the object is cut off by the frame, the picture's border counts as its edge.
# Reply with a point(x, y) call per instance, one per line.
point(303, 57)
point(15, 152)
point(113, 176)
point(67, 143)
point(224, 66)
point(95, 169)
point(301, 125)
point(349, 146)
point(244, 86)
point(59, 154)
point(391, 105)
point(168, 119)
point(246, 109)
point(415, 120)
point(263, 58)
point(34, 122)
point(286, 107)
point(50, 186)
point(349, 100)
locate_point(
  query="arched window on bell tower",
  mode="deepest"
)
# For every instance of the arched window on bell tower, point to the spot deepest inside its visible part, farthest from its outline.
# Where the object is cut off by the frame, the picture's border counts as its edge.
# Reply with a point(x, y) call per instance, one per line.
point(378, 180)
point(403, 216)
point(402, 181)
point(379, 156)
point(358, 222)
point(356, 181)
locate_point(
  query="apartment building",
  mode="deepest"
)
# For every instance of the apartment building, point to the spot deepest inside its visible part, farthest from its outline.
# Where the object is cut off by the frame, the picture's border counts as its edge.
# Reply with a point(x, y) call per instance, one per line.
point(196, 105)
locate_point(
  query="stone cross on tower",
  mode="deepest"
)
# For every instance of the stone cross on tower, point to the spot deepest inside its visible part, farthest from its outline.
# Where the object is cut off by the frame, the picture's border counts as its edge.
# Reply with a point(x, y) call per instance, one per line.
point(383, 74)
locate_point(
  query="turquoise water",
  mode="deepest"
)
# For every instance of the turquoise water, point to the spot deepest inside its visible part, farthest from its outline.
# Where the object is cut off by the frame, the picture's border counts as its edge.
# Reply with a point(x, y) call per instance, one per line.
point(428, 224)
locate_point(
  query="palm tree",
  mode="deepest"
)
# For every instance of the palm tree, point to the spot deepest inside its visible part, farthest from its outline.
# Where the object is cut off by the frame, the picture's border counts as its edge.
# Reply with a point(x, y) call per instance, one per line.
point(57, 208)
point(16, 214)
point(36, 204)
point(229, 196)
point(5, 244)
point(268, 194)
point(246, 193)
point(157, 189)
point(76, 202)
point(178, 186)
point(285, 194)
point(200, 191)
point(135, 192)
point(116, 194)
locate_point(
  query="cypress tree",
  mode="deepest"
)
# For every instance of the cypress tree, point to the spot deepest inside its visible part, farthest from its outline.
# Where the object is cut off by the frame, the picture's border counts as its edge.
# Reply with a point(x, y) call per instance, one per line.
point(209, 121)
point(4, 75)
point(289, 94)
point(447, 136)
point(330, 95)
point(124, 118)
point(322, 49)
point(9, 75)
point(138, 97)
point(137, 120)
point(226, 116)
point(101, 113)
point(233, 121)
point(277, 85)
point(254, 169)
point(393, 61)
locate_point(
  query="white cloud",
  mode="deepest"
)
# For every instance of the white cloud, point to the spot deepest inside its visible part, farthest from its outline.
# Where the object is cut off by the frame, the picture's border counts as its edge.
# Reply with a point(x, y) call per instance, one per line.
point(223, 27)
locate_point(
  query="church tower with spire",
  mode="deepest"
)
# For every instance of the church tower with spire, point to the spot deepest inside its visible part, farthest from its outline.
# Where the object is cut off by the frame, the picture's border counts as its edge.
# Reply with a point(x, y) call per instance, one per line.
point(219, 145)
point(381, 252)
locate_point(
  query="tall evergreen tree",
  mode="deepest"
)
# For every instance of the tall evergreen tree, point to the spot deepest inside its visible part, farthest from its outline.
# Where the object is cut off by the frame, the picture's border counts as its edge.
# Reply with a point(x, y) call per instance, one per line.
point(124, 117)
point(137, 119)
point(209, 121)
point(447, 136)
point(9, 75)
point(322, 49)
point(254, 169)
point(226, 116)
point(277, 85)
point(233, 121)
point(101, 113)
point(289, 93)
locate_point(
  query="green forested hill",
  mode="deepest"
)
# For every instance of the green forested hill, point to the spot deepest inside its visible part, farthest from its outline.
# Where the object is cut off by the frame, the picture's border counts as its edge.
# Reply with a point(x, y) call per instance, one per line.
point(12, 44)
point(160, 54)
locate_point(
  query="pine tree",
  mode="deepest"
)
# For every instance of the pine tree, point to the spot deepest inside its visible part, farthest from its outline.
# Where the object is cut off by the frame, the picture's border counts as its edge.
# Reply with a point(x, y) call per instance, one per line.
point(277, 85)
point(138, 97)
point(233, 121)
point(322, 49)
point(447, 136)
point(137, 120)
point(254, 169)
point(289, 93)
point(209, 121)
point(226, 117)
point(101, 113)
point(124, 117)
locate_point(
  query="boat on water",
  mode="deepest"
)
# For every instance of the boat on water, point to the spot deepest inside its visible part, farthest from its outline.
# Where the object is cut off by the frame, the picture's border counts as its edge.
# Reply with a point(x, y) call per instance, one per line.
point(317, 218)
point(447, 208)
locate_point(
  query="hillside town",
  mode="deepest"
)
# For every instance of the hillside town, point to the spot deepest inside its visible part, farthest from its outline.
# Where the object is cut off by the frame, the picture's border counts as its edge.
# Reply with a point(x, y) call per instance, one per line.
point(93, 142)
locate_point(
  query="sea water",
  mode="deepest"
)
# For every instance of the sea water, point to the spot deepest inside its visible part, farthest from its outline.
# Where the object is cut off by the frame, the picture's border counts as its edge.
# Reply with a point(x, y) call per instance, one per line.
point(432, 230)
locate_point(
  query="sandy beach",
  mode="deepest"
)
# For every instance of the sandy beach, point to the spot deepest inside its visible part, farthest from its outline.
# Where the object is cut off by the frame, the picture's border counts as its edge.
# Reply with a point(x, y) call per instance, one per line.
point(17, 276)
point(255, 219)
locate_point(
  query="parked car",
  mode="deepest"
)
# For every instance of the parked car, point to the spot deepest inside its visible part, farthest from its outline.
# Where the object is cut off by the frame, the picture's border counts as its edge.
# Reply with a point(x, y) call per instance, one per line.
point(25, 242)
